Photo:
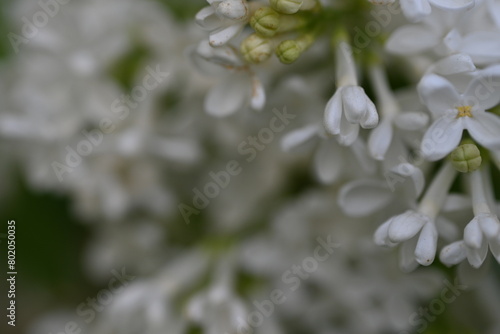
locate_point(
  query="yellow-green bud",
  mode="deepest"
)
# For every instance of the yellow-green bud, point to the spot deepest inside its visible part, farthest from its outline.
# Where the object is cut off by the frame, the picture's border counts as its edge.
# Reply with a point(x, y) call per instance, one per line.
point(256, 49)
point(466, 158)
point(286, 6)
point(288, 51)
point(265, 21)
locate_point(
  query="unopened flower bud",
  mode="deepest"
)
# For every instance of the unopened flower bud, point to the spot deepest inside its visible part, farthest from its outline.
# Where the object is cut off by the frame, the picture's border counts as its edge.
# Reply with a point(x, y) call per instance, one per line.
point(286, 6)
point(466, 158)
point(256, 49)
point(265, 21)
point(288, 51)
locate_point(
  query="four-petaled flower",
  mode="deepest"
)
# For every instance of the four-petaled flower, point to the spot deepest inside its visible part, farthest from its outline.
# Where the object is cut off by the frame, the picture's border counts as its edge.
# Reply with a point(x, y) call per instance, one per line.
point(454, 112)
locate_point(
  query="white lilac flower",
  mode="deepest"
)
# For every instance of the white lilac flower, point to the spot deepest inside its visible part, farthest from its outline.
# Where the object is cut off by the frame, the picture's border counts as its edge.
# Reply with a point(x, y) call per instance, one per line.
point(330, 159)
point(482, 232)
point(151, 304)
point(416, 229)
point(454, 112)
point(416, 10)
point(218, 309)
point(350, 107)
point(453, 64)
point(224, 19)
point(237, 89)
point(448, 32)
point(403, 184)
point(394, 123)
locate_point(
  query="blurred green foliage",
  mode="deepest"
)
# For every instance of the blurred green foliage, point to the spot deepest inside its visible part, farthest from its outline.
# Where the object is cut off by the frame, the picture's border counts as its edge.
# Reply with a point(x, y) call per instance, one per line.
point(184, 9)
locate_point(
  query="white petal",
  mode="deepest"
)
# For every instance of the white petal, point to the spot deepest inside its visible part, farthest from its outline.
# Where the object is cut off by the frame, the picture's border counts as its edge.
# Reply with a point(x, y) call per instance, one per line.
point(495, 249)
point(225, 56)
point(473, 236)
point(228, 96)
point(456, 63)
point(489, 225)
point(426, 245)
point(484, 88)
point(494, 10)
point(442, 137)
point(348, 132)
point(333, 113)
point(453, 4)
point(370, 120)
point(298, 137)
point(354, 103)
point(380, 139)
point(408, 170)
point(452, 41)
point(411, 39)
point(476, 256)
point(453, 253)
point(381, 236)
point(234, 10)
point(207, 19)
point(328, 161)
point(484, 127)
point(482, 46)
point(360, 152)
point(363, 197)
point(406, 226)
point(438, 94)
point(411, 120)
point(258, 97)
point(415, 10)
point(221, 36)
point(407, 262)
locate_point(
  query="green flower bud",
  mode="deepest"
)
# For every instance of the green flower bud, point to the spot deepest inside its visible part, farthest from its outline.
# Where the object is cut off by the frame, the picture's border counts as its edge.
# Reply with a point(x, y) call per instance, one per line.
point(256, 49)
point(466, 158)
point(286, 6)
point(288, 51)
point(265, 21)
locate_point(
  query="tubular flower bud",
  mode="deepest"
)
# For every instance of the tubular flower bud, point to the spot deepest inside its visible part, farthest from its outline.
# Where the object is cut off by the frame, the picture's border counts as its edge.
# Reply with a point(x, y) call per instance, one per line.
point(256, 49)
point(286, 6)
point(265, 21)
point(466, 158)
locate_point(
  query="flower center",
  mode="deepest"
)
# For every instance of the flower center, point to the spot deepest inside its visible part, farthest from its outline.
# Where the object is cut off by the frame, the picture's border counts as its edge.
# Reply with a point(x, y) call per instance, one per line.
point(464, 111)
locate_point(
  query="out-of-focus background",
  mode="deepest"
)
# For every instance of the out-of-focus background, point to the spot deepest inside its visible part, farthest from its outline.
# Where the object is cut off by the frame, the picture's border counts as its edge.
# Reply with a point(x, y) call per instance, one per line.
point(45, 83)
